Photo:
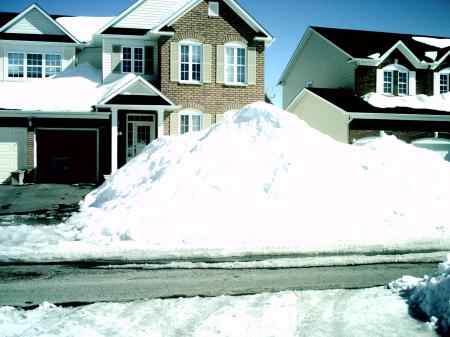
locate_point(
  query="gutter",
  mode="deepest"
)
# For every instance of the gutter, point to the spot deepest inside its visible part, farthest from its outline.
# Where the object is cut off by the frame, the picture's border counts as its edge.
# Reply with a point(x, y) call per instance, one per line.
point(58, 114)
point(401, 117)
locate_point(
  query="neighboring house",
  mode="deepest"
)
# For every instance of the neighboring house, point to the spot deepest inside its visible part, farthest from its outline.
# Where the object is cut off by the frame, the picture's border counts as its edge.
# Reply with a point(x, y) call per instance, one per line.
point(333, 71)
point(80, 96)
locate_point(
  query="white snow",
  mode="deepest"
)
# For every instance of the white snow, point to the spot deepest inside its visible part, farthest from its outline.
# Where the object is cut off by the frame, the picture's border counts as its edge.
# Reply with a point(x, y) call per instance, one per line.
point(337, 313)
point(75, 89)
point(83, 27)
point(259, 182)
point(435, 102)
point(431, 55)
point(374, 56)
point(429, 295)
point(432, 41)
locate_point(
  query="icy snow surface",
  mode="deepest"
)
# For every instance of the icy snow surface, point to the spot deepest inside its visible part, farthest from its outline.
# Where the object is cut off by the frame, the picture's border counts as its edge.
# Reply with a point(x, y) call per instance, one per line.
point(432, 41)
point(436, 102)
point(429, 295)
point(259, 182)
point(75, 89)
point(337, 313)
point(83, 27)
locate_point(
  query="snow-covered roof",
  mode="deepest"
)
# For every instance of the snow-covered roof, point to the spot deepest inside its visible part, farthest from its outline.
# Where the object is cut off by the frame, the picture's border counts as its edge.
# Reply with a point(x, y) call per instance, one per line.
point(83, 27)
point(76, 89)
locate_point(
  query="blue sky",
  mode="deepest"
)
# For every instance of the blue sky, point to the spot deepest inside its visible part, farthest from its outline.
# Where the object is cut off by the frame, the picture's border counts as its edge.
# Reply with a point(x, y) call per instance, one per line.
point(287, 20)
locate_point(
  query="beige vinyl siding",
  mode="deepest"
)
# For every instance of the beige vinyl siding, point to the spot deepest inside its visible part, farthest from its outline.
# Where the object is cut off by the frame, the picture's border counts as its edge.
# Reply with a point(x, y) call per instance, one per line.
point(34, 22)
point(319, 62)
point(2, 64)
point(206, 120)
point(146, 15)
point(91, 55)
point(322, 116)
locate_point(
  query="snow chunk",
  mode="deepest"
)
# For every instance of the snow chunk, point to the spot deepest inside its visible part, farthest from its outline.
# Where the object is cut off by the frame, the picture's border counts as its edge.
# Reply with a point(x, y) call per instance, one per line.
point(374, 56)
point(429, 295)
point(83, 27)
point(432, 55)
point(436, 102)
point(432, 41)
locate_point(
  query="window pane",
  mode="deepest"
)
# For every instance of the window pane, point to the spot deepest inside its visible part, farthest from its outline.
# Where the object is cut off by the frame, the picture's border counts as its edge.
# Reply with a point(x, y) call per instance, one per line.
point(387, 85)
point(444, 87)
point(184, 123)
point(52, 64)
point(126, 66)
point(15, 65)
point(138, 60)
point(126, 60)
point(241, 74)
point(402, 83)
point(195, 54)
point(241, 56)
point(195, 122)
point(184, 53)
point(34, 65)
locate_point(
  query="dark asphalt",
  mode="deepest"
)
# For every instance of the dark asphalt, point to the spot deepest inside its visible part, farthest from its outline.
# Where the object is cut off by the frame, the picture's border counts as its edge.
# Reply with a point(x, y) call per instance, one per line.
point(41, 198)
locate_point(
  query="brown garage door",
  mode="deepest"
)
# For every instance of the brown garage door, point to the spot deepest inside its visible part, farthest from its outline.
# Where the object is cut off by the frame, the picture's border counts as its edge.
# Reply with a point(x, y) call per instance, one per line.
point(65, 156)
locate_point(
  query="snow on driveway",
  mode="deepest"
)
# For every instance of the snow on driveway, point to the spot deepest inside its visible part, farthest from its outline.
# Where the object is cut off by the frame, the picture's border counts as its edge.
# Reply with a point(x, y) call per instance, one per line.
point(336, 313)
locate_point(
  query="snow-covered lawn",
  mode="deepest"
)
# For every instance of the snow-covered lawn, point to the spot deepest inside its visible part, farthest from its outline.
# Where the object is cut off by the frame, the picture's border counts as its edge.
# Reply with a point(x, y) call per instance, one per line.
point(336, 313)
point(259, 182)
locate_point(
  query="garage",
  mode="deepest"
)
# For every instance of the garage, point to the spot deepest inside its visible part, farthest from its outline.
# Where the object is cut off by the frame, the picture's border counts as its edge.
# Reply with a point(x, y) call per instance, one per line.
point(439, 145)
point(13, 151)
point(66, 156)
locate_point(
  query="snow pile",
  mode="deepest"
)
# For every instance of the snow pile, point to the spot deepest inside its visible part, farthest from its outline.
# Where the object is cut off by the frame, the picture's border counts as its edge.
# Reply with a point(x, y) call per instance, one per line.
point(433, 41)
point(83, 27)
point(435, 102)
point(75, 89)
point(262, 181)
point(429, 296)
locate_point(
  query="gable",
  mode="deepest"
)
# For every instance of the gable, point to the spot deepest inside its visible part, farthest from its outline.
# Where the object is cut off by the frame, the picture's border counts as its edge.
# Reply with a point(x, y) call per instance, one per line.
point(147, 14)
point(34, 22)
point(138, 88)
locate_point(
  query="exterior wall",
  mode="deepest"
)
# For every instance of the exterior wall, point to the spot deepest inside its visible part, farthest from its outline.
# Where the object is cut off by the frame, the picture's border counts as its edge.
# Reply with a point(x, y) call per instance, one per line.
point(210, 98)
point(321, 63)
point(68, 54)
point(34, 22)
point(91, 55)
point(2, 64)
point(407, 131)
point(146, 15)
point(424, 82)
point(322, 116)
point(365, 80)
point(108, 43)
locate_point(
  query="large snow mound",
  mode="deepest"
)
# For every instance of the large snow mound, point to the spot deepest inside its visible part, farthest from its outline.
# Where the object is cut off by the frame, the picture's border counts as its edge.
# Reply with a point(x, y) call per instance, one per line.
point(263, 180)
point(429, 296)
point(435, 102)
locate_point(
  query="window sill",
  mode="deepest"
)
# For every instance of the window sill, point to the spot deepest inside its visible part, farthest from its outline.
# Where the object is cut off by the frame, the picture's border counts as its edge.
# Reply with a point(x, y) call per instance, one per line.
point(190, 83)
point(236, 84)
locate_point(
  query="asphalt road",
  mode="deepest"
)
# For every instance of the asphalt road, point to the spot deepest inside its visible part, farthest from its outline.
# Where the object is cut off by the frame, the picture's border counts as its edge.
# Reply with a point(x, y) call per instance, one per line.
point(32, 284)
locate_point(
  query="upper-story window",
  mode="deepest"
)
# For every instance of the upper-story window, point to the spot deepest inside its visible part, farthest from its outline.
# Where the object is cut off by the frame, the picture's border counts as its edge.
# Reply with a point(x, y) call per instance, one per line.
point(133, 60)
point(235, 64)
point(33, 65)
point(388, 82)
point(444, 83)
point(190, 62)
point(190, 121)
point(402, 83)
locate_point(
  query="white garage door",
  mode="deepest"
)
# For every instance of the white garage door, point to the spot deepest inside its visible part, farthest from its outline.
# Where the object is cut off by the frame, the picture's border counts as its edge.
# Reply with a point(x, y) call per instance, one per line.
point(13, 151)
point(438, 145)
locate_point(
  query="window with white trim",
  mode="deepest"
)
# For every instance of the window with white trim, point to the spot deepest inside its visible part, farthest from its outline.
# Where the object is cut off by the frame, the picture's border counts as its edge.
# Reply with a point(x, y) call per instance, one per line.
point(235, 64)
point(444, 83)
point(388, 82)
point(190, 121)
point(33, 65)
point(402, 83)
point(133, 60)
point(190, 62)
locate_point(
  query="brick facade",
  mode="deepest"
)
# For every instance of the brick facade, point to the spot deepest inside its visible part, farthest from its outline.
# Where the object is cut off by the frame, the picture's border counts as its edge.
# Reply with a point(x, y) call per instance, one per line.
point(213, 97)
point(365, 80)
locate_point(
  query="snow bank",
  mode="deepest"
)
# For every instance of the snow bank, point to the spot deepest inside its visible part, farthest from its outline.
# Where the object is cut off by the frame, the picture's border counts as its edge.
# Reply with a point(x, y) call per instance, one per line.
point(263, 178)
point(436, 102)
point(433, 41)
point(429, 296)
point(75, 89)
point(83, 27)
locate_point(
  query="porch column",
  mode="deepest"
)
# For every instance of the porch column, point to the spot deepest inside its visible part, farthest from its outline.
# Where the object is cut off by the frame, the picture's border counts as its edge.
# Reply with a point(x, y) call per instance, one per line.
point(160, 118)
point(114, 135)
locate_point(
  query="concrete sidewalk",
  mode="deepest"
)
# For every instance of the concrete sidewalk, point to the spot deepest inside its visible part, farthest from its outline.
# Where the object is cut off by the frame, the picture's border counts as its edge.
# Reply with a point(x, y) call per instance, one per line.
point(41, 198)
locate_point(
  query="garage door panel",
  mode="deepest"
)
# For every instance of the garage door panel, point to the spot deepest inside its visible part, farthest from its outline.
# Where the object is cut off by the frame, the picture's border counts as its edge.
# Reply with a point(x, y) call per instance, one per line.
point(13, 151)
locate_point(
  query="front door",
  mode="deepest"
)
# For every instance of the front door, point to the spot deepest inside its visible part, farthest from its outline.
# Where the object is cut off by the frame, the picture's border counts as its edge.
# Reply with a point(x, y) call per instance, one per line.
point(140, 132)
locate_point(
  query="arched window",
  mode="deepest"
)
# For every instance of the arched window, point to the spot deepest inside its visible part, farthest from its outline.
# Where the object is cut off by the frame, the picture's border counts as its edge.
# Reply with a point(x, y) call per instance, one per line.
point(395, 80)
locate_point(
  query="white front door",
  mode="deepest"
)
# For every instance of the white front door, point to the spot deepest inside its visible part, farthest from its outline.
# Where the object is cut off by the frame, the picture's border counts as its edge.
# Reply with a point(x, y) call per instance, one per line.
point(140, 131)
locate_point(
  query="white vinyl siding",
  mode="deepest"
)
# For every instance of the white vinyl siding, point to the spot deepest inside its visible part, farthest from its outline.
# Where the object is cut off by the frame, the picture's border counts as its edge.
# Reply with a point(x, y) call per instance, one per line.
point(34, 22)
point(2, 57)
point(146, 15)
point(322, 116)
point(91, 55)
point(322, 63)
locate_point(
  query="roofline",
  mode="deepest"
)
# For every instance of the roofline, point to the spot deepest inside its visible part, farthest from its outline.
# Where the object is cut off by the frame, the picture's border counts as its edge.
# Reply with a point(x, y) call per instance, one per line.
point(390, 116)
point(300, 47)
point(54, 114)
point(120, 16)
point(243, 14)
point(399, 45)
point(304, 92)
point(438, 63)
point(36, 6)
point(130, 83)
point(140, 107)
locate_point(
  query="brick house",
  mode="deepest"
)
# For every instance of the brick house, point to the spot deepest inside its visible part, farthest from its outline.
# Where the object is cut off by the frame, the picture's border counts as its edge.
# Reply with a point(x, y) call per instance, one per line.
point(162, 67)
point(332, 70)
